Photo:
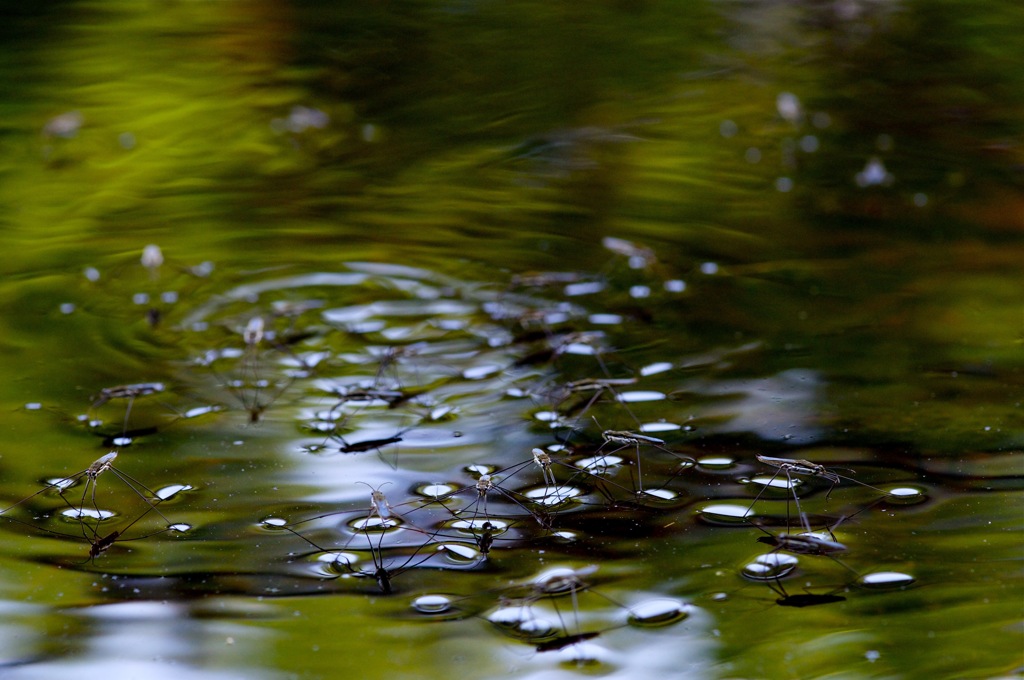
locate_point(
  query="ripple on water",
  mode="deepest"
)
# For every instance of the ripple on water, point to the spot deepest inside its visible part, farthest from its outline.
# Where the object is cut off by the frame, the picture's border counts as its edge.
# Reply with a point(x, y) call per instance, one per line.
point(728, 514)
point(432, 604)
point(87, 513)
point(658, 612)
point(770, 566)
point(906, 495)
point(882, 580)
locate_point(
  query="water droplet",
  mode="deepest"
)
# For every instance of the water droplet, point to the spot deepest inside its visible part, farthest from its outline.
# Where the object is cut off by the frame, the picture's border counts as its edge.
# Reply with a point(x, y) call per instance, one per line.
point(432, 604)
point(906, 495)
point(725, 514)
point(659, 612)
point(770, 566)
point(886, 579)
point(172, 490)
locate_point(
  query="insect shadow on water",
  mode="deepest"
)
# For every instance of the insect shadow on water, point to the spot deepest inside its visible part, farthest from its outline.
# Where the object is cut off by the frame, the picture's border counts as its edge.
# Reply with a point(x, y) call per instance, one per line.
point(247, 383)
point(88, 513)
point(798, 467)
point(383, 572)
point(518, 618)
point(129, 393)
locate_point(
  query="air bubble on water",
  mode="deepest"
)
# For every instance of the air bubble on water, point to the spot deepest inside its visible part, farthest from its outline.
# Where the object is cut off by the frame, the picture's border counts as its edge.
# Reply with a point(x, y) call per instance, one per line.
point(656, 367)
point(886, 579)
point(725, 513)
point(770, 566)
point(658, 612)
point(432, 604)
point(172, 490)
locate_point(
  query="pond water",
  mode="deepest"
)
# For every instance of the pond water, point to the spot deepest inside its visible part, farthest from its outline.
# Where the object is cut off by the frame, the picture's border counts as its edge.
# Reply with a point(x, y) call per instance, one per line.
point(475, 340)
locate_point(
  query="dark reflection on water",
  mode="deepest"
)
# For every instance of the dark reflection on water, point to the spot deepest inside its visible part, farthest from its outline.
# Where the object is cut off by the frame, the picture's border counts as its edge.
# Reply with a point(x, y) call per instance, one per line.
point(471, 322)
